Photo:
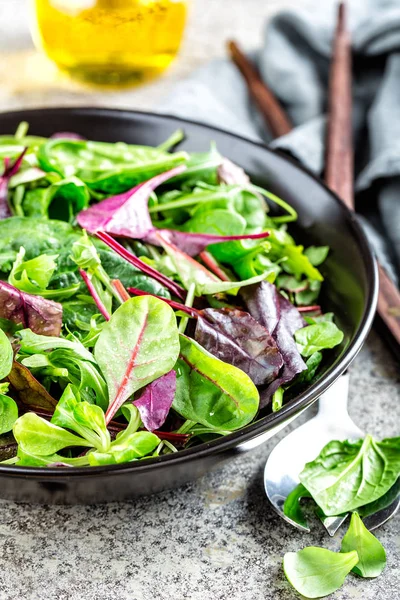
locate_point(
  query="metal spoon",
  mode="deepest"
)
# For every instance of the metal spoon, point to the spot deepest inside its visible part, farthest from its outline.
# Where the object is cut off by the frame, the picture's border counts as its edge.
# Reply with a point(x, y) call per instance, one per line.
point(286, 461)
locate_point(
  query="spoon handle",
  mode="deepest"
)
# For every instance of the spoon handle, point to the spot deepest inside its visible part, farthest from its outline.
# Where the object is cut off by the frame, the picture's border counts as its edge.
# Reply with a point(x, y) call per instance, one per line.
point(332, 405)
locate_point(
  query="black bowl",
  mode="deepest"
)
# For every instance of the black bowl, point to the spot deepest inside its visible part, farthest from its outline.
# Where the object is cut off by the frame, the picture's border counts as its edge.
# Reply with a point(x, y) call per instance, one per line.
point(350, 291)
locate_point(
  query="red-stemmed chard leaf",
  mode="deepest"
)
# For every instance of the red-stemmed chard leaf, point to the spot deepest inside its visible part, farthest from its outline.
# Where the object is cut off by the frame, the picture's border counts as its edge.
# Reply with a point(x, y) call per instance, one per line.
point(139, 344)
point(236, 338)
point(9, 171)
point(192, 312)
point(173, 287)
point(281, 319)
point(41, 315)
point(155, 402)
point(94, 294)
point(125, 215)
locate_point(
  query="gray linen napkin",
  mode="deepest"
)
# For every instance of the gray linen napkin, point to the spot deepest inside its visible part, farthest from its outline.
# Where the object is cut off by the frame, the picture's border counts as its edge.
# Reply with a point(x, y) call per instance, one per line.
point(294, 62)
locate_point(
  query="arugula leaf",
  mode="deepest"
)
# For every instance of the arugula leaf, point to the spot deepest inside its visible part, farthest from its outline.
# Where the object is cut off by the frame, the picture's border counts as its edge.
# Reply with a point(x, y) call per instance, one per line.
point(138, 344)
point(87, 420)
point(37, 436)
point(347, 475)
point(211, 392)
point(319, 336)
point(316, 572)
point(371, 553)
point(6, 355)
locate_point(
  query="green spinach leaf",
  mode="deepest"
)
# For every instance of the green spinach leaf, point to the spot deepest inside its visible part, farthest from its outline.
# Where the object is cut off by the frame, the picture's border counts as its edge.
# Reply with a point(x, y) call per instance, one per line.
point(319, 336)
point(371, 553)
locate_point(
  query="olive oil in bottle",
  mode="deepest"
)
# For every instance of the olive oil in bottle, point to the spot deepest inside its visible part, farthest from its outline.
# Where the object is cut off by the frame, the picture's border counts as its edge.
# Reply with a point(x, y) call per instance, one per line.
point(110, 41)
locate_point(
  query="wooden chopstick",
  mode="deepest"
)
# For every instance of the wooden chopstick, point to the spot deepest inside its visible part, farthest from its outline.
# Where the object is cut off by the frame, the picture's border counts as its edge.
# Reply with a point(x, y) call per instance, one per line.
point(339, 172)
point(275, 117)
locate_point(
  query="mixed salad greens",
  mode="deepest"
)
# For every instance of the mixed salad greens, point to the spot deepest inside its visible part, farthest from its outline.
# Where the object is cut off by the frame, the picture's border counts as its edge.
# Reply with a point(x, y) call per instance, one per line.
point(150, 300)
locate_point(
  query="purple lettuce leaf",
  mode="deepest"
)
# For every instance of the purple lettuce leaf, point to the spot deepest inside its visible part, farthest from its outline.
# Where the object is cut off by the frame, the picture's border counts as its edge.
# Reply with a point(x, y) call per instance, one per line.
point(41, 315)
point(66, 135)
point(282, 319)
point(237, 338)
point(127, 214)
point(9, 171)
point(155, 402)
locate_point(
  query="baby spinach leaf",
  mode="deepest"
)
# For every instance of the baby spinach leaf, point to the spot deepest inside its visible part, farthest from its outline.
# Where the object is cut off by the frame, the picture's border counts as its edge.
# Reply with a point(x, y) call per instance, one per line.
point(211, 392)
point(8, 413)
point(347, 475)
point(316, 254)
point(317, 572)
point(6, 355)
point(155, 402)
point(39, 314)
point(37, 436)
point(87, 420)
point(135, 446)
point(236, 338)
point(371, 553)
point(138, 344)
point(31, 343)
point(312, 364)
point(319, 336)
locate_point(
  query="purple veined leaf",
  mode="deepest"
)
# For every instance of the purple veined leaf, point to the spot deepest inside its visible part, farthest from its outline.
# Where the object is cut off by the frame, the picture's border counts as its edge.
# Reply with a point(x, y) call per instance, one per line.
point(194, 243)
point(28, 391)
point(9, 171)
point(41, 315)
point(173, 287)
point(231, 174)
point(155, 402)
point(282, 319)
point(235, 337)
point(66, 135)
point(127, 214)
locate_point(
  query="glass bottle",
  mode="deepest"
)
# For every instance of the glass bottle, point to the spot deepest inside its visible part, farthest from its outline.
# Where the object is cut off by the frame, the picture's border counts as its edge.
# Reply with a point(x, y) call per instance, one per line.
point(110, 41)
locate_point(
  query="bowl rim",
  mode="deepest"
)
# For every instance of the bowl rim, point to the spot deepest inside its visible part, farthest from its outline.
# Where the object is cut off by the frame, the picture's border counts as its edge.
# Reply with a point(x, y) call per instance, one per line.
point(269, 422)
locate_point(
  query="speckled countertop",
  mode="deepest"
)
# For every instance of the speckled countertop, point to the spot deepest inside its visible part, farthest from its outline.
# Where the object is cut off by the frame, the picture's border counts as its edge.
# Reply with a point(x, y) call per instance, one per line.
point(216, 539)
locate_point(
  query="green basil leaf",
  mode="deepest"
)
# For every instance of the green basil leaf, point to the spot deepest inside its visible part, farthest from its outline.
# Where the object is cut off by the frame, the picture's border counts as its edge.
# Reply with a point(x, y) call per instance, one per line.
point(138, 344)
point(212, 392)
point(6, 355)
point(37, 436)
point(320, 336)
point(371, 553)
point(316, 572)
point(347, 475)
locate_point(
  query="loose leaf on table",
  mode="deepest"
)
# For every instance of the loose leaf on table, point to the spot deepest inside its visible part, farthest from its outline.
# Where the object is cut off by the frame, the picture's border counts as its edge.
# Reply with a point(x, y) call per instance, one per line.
point(211, 392)
point(155, 402)
point(87, 420)
point(282, 320)
point(317, 572)
point(317, 337)
point(138, 344)
point(6, 355)
point(371, 553)
point(38, 436)
point(41, 315)
point(235, 337)
point(28, 390)
point(347, 475)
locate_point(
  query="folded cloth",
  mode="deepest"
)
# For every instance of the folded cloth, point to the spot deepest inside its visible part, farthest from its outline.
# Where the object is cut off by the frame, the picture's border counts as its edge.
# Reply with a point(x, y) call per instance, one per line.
point(294, 62)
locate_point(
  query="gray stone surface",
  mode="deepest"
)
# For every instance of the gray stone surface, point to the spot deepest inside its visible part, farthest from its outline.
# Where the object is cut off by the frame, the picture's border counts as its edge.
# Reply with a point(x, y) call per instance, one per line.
point(216, 539)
